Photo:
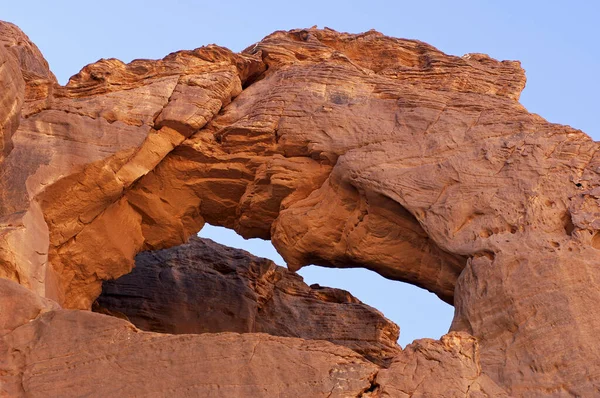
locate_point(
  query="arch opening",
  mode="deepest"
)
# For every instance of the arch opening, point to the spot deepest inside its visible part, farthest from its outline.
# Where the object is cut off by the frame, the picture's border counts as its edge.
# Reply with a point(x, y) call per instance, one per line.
point(419, 313)
point(214, 286)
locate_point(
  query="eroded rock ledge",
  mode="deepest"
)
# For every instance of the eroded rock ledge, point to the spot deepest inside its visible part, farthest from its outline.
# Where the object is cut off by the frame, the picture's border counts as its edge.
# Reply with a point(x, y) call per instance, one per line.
point(346, 151)
point(46, 351)
point(205, 287)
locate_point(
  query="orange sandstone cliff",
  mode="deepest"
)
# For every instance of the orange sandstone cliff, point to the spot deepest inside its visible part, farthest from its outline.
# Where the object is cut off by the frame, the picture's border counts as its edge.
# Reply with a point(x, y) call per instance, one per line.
point(345, 151)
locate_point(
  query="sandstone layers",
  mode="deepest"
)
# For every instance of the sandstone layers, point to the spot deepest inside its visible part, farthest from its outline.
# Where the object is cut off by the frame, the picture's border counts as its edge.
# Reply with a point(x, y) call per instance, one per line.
point(344, 150)
point(202, 287)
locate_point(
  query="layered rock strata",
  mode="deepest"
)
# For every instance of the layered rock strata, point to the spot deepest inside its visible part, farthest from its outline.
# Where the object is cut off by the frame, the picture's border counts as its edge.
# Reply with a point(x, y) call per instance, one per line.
point(48, 351)
point(65, 353)
point(204, 287)
point(344, 150)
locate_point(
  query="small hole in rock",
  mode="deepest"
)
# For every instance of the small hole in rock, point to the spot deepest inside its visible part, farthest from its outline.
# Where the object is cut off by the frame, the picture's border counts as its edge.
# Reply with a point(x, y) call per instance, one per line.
point(568, 223)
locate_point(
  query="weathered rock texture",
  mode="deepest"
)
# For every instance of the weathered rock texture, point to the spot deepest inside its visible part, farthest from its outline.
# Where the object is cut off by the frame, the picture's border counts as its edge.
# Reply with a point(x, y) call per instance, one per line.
point(202, 287)
point(344, 150)
point(48, 351)
point(65, 353)
point(430, 368)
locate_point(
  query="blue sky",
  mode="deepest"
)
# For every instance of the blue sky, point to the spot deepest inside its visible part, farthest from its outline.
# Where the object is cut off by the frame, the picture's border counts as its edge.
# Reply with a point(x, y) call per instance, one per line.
point(556, 41)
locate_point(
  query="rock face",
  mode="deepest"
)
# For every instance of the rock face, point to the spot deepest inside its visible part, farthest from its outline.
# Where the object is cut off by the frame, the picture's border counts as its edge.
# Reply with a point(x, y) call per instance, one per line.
point(20, 61)
point(11, 98)
point(445, 368)
point(346, 151)
point(204, 287)
point(66, 353)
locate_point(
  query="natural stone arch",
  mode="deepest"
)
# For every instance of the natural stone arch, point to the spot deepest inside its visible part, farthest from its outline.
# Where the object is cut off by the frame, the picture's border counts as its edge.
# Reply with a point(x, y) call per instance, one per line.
point(382, 143)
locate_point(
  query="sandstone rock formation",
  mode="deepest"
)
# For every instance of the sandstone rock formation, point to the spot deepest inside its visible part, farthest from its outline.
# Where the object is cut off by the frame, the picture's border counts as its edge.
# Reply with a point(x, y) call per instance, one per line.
point(66, 353)
point(48, 351)
point(344, 150)
point(445, 368)
point(202, 287)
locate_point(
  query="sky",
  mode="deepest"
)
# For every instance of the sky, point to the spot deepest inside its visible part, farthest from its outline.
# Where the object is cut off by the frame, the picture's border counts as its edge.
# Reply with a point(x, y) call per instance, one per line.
point(557, 43)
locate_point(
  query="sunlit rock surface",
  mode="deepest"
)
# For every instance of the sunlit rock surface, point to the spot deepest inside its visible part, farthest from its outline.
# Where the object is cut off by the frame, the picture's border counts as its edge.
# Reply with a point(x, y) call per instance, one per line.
point(344, 150)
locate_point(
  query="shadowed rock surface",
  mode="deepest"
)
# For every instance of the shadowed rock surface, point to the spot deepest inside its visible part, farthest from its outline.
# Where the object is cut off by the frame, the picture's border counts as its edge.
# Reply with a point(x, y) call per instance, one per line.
point(205, 287)
point(346, 150)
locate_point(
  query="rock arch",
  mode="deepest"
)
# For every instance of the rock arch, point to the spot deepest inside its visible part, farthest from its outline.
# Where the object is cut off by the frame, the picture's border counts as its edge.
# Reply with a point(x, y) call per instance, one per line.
point(345, 150)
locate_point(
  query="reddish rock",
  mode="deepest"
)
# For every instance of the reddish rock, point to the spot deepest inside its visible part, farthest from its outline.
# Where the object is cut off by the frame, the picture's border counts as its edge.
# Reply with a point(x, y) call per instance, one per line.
point(80, 146)
point(204, 287)
point(11, 99)
point(68, 353)
point(28, 56)
point(19, 306)
point(448, 367)
point(534, 332)
point(346, 151)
